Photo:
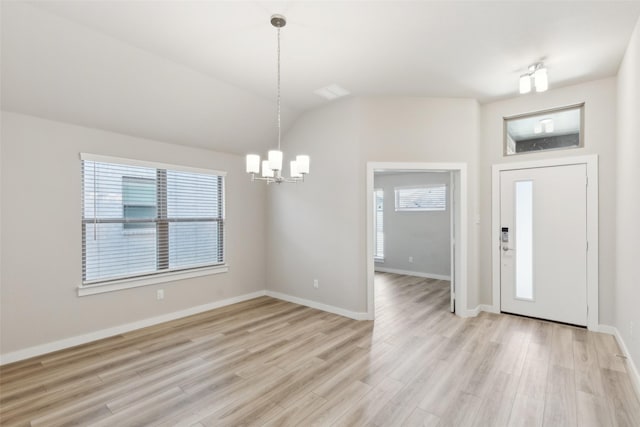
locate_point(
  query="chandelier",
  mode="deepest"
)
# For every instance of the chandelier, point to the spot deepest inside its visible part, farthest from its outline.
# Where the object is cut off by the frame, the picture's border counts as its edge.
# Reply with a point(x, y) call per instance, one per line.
point(272, 166)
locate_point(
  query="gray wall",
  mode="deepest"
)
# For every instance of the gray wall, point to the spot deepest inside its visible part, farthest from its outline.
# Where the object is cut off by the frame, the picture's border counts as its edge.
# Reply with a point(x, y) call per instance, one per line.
point(41, 234)
point(319, 227)
point(423, 235)
point(315, 229)
point(628, 201)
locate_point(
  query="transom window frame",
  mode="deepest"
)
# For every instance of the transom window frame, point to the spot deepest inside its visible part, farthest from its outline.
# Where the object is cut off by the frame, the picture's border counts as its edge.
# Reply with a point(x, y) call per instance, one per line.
point(398, 208)
point(509, 145)
point(85, 289)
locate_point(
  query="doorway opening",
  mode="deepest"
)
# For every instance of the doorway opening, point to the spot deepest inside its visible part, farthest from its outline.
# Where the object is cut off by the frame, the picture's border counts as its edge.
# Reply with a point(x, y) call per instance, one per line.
point(397, 189)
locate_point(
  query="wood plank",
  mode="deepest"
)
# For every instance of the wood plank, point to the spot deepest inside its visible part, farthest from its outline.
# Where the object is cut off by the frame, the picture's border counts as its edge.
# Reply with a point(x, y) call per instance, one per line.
point(337, 405)
point(367, 407)
point(527, 411)
point(623, 404)
point(593, 411)
point(421, 418)
point(560, 401)
point(294, 414)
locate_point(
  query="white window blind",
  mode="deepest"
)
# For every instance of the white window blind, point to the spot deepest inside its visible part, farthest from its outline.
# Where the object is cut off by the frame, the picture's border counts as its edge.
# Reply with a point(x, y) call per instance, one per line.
point(422, 198)
point(379, 224)
point(145, 220)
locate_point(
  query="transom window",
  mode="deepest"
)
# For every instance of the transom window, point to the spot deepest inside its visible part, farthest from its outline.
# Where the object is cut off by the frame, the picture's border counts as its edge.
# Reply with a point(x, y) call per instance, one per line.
point(421, 198)
point(139, 219)
point(555, 129)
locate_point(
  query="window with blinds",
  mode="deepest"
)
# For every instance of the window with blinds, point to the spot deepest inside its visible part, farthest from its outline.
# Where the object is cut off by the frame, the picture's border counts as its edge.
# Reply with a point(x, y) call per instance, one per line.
point(141, 219)
point(422, 198)
point(379, 225)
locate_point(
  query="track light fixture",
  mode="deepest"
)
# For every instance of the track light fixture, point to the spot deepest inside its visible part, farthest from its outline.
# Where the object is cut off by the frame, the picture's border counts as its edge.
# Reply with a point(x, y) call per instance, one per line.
point(538, 73)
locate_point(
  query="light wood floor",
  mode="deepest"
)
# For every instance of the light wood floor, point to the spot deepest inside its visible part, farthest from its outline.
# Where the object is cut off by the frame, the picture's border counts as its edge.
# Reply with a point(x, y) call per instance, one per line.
point(269, 362)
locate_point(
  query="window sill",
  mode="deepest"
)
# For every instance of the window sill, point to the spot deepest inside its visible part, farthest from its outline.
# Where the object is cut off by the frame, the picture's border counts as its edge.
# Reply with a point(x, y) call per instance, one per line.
point(375, 259)
point(118, 285)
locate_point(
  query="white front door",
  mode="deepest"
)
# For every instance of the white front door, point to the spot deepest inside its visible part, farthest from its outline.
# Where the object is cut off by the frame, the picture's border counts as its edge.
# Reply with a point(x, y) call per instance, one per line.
point(543, 215)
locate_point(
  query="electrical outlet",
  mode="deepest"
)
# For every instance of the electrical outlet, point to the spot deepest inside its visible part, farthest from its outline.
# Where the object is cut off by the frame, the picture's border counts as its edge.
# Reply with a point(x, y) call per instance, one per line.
point(315, 283)
point(160, 294)
point(410, 259)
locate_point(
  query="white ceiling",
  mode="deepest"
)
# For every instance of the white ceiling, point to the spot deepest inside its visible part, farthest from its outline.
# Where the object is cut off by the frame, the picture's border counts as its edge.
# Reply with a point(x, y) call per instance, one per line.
point(474, 49)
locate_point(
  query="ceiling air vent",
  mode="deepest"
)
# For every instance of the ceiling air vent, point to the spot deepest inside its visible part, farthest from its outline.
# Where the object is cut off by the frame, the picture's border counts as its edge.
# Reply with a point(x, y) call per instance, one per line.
point(332, 92)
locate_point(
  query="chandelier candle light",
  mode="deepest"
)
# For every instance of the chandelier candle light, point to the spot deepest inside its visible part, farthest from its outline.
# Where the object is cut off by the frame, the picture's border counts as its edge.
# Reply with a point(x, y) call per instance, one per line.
point(272, 167)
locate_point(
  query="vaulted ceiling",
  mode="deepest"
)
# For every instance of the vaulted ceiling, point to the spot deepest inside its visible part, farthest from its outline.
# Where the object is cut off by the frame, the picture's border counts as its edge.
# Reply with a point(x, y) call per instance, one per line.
point(202, 73)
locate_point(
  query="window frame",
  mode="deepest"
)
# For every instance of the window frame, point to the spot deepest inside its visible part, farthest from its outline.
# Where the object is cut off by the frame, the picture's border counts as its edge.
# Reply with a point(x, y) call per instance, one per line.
point(376, 243)
point(109, 285)
point(396, 193)
point(508, 142)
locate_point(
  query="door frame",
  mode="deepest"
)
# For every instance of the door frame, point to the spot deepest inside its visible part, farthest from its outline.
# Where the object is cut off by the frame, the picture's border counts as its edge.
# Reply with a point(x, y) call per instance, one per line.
point(460, 171)
point(591, 162)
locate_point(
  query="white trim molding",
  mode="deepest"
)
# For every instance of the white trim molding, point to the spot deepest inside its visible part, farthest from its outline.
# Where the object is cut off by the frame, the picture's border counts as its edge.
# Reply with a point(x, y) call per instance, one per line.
point(319, 306)
point(591, 162)
point(121, 329)
point(489, 308)
point(412, 273)
point(134, 162)
point(154, 279)
point(461, 228)
point(480, 308)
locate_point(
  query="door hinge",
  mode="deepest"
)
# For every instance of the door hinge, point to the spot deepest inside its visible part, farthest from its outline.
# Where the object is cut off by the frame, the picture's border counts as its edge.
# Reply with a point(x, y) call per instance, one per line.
point(587, 245)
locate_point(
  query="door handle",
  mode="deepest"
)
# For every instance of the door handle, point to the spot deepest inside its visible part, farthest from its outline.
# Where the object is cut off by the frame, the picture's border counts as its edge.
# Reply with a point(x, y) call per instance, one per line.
point(505, 248)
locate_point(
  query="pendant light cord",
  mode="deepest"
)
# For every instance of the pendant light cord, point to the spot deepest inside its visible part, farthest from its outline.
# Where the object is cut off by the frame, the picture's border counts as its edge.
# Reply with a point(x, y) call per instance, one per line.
point(279, 125)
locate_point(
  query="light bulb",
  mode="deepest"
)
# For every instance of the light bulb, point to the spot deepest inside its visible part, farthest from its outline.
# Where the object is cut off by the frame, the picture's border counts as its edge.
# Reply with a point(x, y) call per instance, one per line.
point(303, 163)
point(525, 83)
point(294, 169)
point(253, 163)
point(267, 172)
point(275, 160)
point(541, 79)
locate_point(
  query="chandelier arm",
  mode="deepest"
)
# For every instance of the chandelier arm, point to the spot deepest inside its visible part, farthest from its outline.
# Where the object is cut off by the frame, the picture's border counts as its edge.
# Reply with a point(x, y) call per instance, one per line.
point(277, 180)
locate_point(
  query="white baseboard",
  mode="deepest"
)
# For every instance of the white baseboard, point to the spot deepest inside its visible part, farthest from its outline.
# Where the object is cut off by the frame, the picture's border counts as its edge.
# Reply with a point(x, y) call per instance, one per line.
point(634, 374)
point(412, 273)
point(320, 306)
point(116, 330)
point(475, 311)
point(468, 312)
point(489, 308)
point(606, 329)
